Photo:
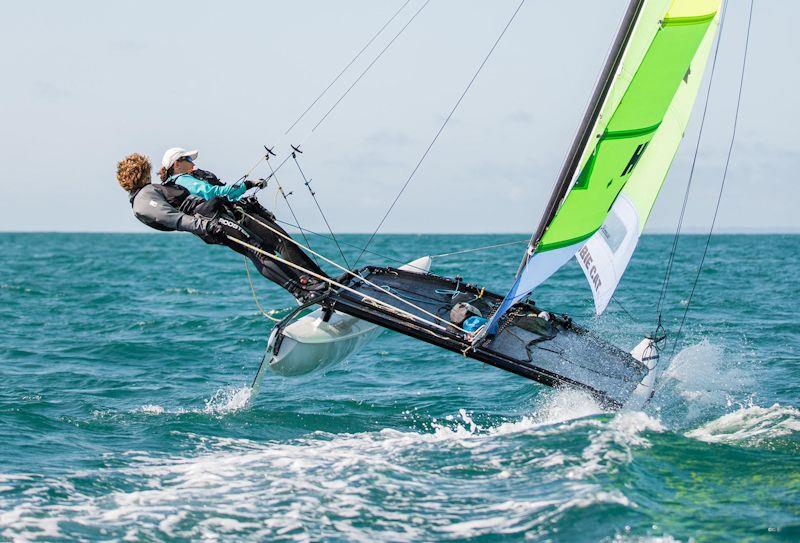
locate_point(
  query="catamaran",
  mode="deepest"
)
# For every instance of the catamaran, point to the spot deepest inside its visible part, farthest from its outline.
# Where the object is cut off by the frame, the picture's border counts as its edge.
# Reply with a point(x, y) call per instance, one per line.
point(596, 213)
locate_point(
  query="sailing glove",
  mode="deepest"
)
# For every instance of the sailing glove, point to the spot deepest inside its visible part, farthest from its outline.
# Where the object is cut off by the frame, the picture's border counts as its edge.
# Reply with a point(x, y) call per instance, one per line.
point(212, 232)
point(261, 184)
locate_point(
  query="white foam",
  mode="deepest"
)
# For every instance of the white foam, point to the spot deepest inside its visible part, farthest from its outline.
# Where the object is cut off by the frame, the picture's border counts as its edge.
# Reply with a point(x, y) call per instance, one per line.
point(750, 426)
point(561, 405)
point(620, 538)
point(530, 516)
point(613, 443)
point(228, 400)
point(324, 485)
point(223, 402)
point(152, 409)
point(706, 367)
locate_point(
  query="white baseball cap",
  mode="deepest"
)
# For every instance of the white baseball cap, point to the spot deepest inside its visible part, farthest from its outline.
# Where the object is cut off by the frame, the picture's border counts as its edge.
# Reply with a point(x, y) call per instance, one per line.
point(172, 155)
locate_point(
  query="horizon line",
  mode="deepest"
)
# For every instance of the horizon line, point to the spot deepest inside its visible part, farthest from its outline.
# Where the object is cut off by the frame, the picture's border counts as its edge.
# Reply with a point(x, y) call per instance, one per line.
point(693, 232)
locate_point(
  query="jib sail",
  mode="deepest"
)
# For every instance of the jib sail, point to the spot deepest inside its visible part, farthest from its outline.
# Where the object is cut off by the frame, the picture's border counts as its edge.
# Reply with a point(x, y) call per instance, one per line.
point(623, 151)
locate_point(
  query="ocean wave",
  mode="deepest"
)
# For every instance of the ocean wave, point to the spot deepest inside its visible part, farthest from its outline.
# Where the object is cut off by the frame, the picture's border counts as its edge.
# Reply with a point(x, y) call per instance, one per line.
point(624, 538)
point(151, 409)
point(613, 444)
point(188, 290)
point(359, 487)
point(752, 426)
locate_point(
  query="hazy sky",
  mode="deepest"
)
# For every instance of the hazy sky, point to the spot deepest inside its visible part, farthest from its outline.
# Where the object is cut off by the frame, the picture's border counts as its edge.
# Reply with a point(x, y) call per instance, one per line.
point(85, 83)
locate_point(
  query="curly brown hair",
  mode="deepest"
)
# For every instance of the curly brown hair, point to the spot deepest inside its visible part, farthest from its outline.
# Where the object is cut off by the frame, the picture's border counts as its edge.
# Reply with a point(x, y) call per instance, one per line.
point(164, 174)
point(133, 172)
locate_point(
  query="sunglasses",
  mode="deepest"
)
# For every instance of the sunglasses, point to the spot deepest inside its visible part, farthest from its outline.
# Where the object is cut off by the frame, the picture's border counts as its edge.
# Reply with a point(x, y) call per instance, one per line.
point(184, 159)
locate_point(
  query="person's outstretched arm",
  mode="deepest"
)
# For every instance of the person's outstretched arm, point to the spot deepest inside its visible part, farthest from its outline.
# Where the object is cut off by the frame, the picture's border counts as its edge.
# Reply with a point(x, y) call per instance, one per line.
point(207, 191)
point(152, 209)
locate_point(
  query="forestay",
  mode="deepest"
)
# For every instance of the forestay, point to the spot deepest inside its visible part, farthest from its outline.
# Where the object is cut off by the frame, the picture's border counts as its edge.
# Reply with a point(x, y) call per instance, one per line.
point(627, 143)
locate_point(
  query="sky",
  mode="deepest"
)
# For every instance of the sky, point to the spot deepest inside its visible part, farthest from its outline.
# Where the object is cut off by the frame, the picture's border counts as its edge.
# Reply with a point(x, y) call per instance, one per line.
point(85, 83)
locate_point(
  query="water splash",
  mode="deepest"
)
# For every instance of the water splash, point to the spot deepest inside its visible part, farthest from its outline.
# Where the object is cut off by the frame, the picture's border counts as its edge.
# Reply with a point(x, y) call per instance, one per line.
point(701, 381)
point(228, 400)
point(224, 401)
point(752, 426)
point(151, 409)
point(561, 405)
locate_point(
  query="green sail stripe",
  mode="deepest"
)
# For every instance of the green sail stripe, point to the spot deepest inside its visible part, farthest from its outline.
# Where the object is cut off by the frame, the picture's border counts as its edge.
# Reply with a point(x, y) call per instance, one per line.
point(645, 183)
point(621, 134)
point(697, 19)
point(564, 243)
point(644, 104)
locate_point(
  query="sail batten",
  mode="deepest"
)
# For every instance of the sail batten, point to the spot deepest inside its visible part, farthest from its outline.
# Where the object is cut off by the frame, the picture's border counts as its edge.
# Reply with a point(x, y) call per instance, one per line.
point(664, 45)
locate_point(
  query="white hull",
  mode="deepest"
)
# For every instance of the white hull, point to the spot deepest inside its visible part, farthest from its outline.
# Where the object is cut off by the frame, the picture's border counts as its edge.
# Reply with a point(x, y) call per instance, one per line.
point(645, 352)
point(310, 343)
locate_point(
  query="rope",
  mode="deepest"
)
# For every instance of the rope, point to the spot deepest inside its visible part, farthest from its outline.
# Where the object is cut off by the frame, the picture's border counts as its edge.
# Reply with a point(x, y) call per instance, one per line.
point(349, 289)
point(255, 295)
point(307, 183)
point(673, 250)
point(367, 69)
point(286, 198)
point(724, 178)
point(262, 158)
point(485, 248)
point(335, 79)
point(441, 128)
point(622, 307)
point(341, 98)
point(393, 259)
point(348, 272)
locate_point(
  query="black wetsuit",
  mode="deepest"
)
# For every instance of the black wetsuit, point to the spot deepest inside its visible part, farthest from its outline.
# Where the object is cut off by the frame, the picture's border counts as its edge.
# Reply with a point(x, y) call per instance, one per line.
point(170, 207)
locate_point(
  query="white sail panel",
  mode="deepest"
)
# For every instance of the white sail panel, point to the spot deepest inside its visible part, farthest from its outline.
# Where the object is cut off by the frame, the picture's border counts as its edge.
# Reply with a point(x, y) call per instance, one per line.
point(606, 255)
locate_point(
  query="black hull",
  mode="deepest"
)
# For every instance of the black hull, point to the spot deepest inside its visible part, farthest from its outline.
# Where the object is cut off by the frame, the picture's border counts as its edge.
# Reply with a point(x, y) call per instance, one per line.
point(554, 352)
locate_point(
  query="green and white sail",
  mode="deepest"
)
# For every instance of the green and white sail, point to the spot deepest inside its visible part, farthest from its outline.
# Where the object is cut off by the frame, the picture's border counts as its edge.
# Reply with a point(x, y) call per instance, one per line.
point(607, 253)
point(624, 149)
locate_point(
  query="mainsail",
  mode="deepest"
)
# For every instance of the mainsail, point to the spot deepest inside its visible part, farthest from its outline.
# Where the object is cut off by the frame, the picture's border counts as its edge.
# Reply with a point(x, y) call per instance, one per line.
point(624, 149)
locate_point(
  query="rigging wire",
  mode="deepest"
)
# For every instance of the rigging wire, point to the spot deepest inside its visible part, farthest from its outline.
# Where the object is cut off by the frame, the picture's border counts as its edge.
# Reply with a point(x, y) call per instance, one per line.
point(441, 128)
point(367, 69)
point(286, 199)
point(307, 183)
point(622, 307)
point(352, 61)
point(724, 178)
point(328, 279)
point(391, 259)
point(397, 260)
point(443, 255)
point(673, 250)
point(363, 73)
point(335, 283)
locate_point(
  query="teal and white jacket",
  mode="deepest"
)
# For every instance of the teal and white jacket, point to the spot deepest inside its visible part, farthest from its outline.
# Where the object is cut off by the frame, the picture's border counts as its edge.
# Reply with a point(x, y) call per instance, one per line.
point(206, 190)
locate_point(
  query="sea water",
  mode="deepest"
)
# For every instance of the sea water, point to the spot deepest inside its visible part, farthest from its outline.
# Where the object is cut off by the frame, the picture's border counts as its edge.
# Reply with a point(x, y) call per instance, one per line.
point(126, 412)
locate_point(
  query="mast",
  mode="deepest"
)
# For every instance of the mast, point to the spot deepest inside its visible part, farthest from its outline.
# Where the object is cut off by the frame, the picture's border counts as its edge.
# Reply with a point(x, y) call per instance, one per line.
point(585, 130)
